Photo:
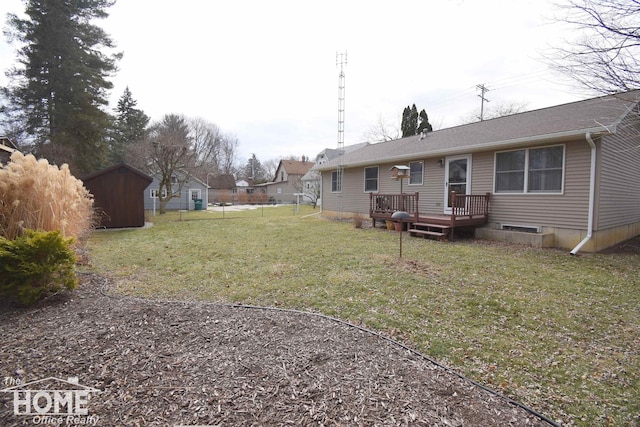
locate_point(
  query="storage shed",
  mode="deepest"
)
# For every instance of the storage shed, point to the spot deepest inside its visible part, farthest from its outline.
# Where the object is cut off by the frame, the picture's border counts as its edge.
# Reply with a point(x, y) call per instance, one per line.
point(118, 194)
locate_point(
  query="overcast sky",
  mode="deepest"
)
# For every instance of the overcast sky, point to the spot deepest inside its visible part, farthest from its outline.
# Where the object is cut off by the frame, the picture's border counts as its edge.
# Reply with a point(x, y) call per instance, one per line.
point(265, 71)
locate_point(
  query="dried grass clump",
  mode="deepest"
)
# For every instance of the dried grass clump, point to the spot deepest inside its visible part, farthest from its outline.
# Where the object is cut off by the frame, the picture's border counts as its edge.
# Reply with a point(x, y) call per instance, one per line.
point(38, 196)
point(357, 220)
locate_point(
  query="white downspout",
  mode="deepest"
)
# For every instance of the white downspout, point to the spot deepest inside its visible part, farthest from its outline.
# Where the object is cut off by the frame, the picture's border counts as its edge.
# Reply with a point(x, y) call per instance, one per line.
point(592, 194)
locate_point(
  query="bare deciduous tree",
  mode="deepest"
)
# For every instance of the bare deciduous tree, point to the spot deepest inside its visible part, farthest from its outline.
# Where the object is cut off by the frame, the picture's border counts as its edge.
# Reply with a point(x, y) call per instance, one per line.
point(167, 154)
point(270, 168)
point(499, 110)
point(604, 57)
point(383, 130)
point(207, 142)
point(311, 189)
point(228, 162)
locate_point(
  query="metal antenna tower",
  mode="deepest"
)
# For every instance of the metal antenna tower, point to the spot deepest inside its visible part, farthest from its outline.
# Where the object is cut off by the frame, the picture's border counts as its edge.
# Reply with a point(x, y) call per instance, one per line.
point(341, 61)
point(483, 89)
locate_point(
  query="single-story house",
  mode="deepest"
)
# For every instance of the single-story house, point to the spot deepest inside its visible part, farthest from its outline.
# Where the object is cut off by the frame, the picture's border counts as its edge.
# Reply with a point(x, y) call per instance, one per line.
point(118, 195)
point(191, 193)
point(7, 147)
point(566, 176)
point(286, 186)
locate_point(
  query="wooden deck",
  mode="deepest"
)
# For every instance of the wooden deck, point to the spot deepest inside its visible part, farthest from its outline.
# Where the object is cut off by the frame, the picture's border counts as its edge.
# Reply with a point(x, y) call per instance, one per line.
point(468, 211)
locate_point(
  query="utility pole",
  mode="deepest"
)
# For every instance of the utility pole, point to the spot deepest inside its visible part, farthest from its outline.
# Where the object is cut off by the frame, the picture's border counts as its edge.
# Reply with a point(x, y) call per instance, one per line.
point(483, 89)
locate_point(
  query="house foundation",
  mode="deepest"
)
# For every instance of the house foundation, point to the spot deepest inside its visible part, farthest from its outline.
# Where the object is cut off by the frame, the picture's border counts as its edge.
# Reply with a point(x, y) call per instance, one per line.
point(562, 237)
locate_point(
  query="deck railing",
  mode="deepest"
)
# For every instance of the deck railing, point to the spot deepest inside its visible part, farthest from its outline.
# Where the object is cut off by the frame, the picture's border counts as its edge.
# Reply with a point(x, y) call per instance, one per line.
point(390, 203)
point(469, 205)
point(465, 208)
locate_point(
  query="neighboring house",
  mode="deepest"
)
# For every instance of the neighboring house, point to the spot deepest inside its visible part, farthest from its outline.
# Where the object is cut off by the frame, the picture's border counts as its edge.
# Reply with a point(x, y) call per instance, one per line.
point(221, 188)
point(311, 187)
point(329, 154)
point(192, 190)
point(568, 174)
point(7, 147)
point(243, 187)
point(288, 181)
point(118, 195)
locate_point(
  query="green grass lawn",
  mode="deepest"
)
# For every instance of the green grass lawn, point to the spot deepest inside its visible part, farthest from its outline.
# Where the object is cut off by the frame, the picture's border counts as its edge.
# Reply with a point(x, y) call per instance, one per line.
point(559, 333)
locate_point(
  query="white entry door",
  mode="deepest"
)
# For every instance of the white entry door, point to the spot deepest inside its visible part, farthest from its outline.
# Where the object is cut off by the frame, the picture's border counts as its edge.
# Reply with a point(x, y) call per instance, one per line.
point(457, 173)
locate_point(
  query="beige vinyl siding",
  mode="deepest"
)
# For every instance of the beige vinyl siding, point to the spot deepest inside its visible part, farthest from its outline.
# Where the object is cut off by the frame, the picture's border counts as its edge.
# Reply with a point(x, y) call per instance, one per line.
point(482, 173)
point(353, 197)
point(618, 198)
point(432, 189)
point(566, 210)
point(356, 200)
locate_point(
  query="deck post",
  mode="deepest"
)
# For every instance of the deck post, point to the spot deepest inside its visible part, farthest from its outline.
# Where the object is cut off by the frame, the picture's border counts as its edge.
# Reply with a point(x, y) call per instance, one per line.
point(453, 214)
point(373, 220)
point(486, 206)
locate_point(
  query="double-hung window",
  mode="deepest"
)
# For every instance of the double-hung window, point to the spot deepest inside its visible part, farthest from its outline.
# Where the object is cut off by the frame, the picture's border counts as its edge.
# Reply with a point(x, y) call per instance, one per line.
point(415, 173)
point(371, 179)
point(531, 170)
point(153, 193)
point(336, 182)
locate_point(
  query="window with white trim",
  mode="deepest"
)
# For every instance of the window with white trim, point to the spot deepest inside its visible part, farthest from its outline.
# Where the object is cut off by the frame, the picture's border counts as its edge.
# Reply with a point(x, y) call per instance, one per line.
point(416, 173)
point(153, 193)
point(531, 170)
point(371, 179)
point(336, 185)
point(196, 193)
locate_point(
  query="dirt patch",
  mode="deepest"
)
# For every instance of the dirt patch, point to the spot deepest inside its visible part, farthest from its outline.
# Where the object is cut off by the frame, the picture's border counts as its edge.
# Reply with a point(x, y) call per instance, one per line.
point(631, 246)
point(180, 363)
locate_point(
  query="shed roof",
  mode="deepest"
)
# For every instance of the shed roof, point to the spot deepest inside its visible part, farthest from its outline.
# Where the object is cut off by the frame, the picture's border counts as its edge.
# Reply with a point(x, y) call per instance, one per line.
point(223, 182)
point(597, 115)
point(116, 167)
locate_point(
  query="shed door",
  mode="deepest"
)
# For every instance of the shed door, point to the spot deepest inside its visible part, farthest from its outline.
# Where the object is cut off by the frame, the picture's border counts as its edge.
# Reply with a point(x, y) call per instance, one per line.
point(457, 174)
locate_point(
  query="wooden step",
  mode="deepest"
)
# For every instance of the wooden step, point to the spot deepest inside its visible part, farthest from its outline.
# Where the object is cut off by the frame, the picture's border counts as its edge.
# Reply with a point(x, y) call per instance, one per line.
point(429, 225)
point(427, 232)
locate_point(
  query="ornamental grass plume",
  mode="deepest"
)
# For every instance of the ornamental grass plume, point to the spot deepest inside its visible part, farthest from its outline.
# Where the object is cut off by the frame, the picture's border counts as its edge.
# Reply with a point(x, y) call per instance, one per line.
point(38, 196)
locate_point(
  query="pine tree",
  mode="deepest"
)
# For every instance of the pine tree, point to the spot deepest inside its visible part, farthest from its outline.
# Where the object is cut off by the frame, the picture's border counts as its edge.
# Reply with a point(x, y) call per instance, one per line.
point(60, 84)
point(414, 123)
point(405, 126)
point(254, 170)
point(424, 125)
point(129, 127)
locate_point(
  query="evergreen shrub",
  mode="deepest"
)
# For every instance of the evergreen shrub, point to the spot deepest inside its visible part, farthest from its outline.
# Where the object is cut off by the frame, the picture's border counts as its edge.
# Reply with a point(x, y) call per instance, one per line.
point(36, 265)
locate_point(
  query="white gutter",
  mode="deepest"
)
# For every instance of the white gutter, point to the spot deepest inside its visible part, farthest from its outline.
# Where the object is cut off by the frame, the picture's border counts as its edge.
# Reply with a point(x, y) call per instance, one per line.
point(592, 192)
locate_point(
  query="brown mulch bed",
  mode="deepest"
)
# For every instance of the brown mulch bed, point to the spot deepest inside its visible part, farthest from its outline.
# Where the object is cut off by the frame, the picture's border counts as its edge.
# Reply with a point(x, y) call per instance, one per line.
point(184, 363)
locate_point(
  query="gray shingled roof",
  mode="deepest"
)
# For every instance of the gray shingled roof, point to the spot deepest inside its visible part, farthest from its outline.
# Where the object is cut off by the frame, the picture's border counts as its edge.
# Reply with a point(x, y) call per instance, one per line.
point(562, 122)
point(222, 182)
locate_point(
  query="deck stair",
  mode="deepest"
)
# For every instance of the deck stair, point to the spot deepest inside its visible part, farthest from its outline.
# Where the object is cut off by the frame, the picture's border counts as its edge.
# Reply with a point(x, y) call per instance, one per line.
point(426, 229)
